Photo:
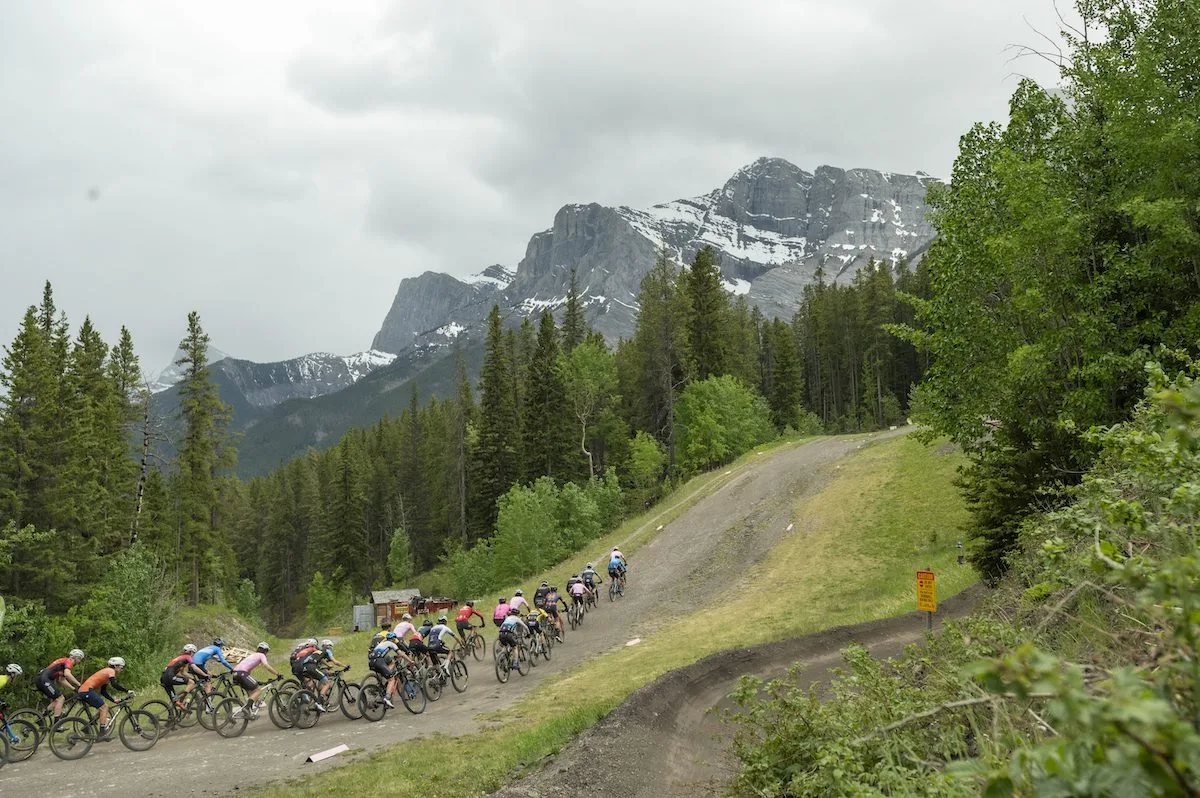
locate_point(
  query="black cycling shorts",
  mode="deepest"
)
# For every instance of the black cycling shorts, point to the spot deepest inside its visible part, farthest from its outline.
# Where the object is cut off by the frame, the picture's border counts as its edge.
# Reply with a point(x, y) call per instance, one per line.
point(245, 681)
point(379, 665)
point(48, 688)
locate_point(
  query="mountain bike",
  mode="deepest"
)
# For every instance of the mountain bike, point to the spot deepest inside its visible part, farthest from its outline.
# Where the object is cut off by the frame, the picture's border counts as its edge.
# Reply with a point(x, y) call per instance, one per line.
point(616, 588)
point(72, 737)
point(42, 718)
point(474, 643)
point(575, 614)
point(20, 737)
point(539, 645)
point(512, 658)
point(231, 714)
point(211, 693)
point(182, 713)
point(304, 711)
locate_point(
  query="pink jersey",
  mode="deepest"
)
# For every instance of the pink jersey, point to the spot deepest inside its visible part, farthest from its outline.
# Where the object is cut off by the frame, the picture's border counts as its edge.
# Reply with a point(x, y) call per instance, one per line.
point(251, 662)
point(578, 589)
point(404, 629)
point(518, 602)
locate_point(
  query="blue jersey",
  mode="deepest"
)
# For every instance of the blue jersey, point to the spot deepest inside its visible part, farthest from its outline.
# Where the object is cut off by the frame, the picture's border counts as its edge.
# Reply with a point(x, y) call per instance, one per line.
point(616, 564)
point(511, 623)
point(205, 654)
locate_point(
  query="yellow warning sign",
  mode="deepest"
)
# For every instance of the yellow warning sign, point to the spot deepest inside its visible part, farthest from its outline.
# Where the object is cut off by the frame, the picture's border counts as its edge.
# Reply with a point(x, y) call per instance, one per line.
point(926, 592)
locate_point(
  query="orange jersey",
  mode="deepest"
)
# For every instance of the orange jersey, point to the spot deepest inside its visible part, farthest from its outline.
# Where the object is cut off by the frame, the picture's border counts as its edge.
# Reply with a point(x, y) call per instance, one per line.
point(465, 614)
point(98, 679)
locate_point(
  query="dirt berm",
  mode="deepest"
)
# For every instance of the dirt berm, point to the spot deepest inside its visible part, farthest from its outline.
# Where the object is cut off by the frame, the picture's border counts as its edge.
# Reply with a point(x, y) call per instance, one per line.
point(670, 737)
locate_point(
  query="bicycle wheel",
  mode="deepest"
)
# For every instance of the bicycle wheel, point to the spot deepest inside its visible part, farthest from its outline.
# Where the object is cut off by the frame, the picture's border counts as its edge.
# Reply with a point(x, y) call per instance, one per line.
point(348, 700)
point(161, 712)
point(23, 739)
point(431, 683)
point(40, 721)
point(458, 676)
point(523, 661)
point(477, 647)
point(411, 694)
point(545, 648)
point(612, 590)
point(206, 705)
point(503, 669)
point(138, 730)
point(71, 737)
point(231, 717)
point(303, 709)
point(370, 698)
point(279, 707)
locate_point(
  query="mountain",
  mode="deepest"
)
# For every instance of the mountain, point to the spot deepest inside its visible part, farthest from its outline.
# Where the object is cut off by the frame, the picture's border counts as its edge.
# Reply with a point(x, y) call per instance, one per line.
point(265, 385)
point(772, 224)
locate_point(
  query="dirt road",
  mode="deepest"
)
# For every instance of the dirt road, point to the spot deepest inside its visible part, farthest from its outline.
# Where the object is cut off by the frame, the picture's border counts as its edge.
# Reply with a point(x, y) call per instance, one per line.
point(743, 515)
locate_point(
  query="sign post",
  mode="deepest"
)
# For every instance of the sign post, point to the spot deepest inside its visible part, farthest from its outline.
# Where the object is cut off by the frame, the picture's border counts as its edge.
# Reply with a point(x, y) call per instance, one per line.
point(927, 596)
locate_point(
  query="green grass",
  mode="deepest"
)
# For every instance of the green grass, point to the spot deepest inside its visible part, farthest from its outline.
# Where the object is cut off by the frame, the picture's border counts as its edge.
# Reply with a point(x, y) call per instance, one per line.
point(851, 556)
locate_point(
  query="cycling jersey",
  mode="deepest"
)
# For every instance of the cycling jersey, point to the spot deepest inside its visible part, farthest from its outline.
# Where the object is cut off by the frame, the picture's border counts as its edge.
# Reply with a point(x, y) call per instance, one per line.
point(512, 630)
point(539, 596)
point(201, 657)
point(178, 664)
point(436, 633)
point(466, 613)
point(552, 600)
point(100, 680)
point(518, 603)
point(385, 651)
point(379, 637)
point(589, 577)
point(4, 680)
point(577, 590)
point(55, 669)
point(251, 662)
point(616, 564)
point(501, 612)
point(404, 629)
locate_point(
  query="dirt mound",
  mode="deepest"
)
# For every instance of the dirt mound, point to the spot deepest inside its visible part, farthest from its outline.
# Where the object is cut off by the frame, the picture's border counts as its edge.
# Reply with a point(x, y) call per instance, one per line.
point(666, 735)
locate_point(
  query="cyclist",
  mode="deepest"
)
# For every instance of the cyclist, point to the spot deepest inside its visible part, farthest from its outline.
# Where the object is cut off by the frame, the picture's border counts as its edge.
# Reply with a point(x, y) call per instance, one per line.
point(200, 660)
point(310, 663)
point(241, 675)
point(591, 579)
point(405, 628)
point(501, 611)
point(327, 659)
point(417, 647)
point(179, 672)
point(552, 601)
point(437, 641)
point(379, 637)
point(616, 567)
point(58, 672)
point(539, 595)
point(100, 680)
point(577, 591)
point(11, 671)
point(381, 661)
point(534, 622)
point(616, 554)
point(513, 631)
point(571, 580)
point(518, 601)
point(463, 619)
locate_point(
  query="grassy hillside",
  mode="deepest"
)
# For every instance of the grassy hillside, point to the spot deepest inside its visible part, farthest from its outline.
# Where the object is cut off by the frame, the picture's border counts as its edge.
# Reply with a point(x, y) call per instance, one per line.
point(890, 510)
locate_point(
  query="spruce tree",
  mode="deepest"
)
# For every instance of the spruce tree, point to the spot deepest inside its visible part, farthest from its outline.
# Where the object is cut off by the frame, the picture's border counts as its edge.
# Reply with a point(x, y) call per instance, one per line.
point(709, 327)
point(496, 458)
point(203, 452)
point(546, 436)
point(574, 326)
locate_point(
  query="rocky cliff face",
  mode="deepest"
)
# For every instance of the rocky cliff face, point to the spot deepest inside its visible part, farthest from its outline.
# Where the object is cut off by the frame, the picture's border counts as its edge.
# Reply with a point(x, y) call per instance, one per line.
point(772, 224)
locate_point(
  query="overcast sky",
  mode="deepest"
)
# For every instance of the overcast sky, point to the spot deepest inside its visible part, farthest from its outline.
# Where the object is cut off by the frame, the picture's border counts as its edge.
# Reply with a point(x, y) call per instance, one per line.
point(280, 166)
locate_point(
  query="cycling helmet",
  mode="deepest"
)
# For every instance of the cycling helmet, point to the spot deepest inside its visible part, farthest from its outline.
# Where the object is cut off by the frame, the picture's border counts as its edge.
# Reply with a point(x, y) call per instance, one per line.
point(442, 619)
point(519, 593)
point(406, 617)
point(219, 642)
point(545, 583)
point(502, 600)
point(116, 662)
point(76, 654)
point(574, 576)
point(14, 669)
point(189, 649)
point(390, 636)
point(327, 643)
point(312, 641)
point(470, 603)
point(589, 565)
point(263, 647)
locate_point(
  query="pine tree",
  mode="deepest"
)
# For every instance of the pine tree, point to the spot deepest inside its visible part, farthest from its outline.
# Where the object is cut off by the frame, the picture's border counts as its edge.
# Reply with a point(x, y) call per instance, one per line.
point(203, 453)
point(574, 327)
point(546, 439)
point(496, 462)
point(709, 327)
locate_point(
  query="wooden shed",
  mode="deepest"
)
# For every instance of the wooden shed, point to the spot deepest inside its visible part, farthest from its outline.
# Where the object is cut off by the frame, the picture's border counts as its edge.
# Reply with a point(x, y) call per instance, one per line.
point(391, 604)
